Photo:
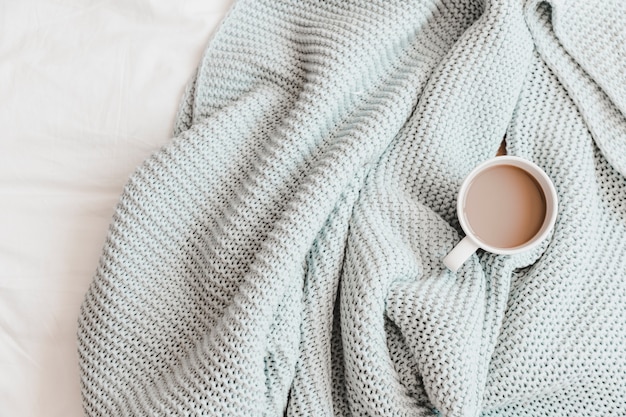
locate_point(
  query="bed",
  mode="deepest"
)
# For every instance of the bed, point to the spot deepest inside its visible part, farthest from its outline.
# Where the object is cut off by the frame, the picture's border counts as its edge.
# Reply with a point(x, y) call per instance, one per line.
point(333, 173)
point(88, 91)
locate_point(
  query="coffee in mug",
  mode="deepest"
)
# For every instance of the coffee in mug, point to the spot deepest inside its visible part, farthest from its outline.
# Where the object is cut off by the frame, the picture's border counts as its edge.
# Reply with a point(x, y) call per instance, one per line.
point(506, 205)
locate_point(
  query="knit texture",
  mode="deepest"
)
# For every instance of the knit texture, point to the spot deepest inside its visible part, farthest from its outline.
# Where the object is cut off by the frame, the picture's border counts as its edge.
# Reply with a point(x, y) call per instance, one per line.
point(283, 254)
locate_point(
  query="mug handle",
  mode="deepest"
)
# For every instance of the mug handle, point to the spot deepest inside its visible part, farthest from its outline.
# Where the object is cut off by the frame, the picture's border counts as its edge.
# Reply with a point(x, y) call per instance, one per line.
point(461, 253)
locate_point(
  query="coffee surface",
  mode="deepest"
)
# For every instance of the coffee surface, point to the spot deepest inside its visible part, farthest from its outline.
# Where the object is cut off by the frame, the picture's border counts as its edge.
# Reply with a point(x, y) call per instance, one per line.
point(505, 207)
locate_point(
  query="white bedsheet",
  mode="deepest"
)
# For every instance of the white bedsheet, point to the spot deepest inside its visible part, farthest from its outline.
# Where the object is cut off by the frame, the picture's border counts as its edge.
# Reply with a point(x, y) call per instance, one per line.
point(88, 89)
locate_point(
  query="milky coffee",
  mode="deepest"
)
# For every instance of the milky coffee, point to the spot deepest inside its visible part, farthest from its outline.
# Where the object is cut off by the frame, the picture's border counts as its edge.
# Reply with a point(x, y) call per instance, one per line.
point(505, 207)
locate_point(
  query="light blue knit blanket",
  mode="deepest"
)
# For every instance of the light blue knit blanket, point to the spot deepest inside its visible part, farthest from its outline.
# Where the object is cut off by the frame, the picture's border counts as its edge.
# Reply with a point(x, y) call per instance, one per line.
point(282, 255)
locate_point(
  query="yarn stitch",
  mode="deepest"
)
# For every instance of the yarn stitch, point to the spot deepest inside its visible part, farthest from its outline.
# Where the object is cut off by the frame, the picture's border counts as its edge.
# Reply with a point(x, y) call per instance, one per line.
point(282, 255)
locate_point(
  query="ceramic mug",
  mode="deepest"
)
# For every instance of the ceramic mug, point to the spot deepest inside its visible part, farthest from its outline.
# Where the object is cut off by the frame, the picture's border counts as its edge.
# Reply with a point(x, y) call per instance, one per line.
point(502, 187)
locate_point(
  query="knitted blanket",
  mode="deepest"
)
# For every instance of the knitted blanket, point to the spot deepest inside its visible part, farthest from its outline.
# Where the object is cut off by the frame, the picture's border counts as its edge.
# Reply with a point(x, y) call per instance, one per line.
point(282, 255)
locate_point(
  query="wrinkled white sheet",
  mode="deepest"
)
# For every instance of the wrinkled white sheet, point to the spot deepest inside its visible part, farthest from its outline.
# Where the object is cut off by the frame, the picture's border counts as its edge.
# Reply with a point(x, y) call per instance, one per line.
point(88, 89)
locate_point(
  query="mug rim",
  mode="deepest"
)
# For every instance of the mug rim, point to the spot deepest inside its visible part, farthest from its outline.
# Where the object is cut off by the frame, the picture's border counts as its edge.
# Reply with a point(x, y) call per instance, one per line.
point(547, 188)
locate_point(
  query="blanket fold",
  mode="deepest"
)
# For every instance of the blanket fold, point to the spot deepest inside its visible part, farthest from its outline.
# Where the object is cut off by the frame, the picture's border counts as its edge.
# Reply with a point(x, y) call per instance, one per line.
point(282, 255)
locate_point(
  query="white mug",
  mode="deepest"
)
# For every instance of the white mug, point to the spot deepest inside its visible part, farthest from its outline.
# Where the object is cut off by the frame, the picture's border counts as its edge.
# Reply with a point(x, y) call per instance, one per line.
point(464, 249)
